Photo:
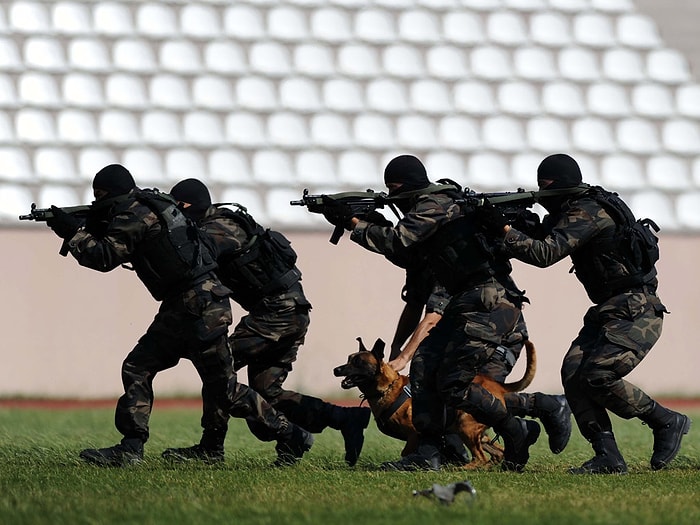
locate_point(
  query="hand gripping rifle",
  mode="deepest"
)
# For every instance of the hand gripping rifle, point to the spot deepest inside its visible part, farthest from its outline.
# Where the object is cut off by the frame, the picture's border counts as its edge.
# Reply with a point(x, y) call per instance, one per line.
point(361, 204)
point(43, 214)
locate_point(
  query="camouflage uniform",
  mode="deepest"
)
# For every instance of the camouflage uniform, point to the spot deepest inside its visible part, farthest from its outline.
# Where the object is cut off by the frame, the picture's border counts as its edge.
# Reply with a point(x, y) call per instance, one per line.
point(268, 338)
point(191, 323)
point(473, 326)
point(618, 331)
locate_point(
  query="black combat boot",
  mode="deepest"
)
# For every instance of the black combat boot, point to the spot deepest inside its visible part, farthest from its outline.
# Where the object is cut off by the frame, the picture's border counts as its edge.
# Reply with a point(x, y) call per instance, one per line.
point(453, 451)
point(555, 415)
point(352, 422)
point(291, 448)
point(128, 452)
point(607, 459)
point(518, 435)
point(210, 449)
point(427, 457)
point(669, 428)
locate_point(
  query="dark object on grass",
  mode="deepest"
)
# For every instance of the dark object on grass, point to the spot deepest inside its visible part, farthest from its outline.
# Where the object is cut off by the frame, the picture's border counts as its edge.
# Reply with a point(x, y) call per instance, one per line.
point(446, 493)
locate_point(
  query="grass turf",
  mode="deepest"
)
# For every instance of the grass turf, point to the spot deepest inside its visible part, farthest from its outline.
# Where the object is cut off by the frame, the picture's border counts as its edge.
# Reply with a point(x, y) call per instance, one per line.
point(43, 481)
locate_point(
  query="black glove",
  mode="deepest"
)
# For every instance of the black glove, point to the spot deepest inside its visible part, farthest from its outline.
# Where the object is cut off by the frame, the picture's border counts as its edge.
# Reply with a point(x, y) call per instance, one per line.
point(63, 224)
point(491, 220)
point(526, 221)
point(337, 213)
point(377, 218)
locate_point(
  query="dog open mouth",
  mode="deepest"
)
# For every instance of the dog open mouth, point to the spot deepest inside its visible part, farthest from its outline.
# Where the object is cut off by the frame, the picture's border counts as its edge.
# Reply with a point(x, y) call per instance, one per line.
point(351, 381)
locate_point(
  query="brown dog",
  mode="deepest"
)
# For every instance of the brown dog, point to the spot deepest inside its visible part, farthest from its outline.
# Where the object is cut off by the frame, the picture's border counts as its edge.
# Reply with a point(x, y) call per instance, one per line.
point(389, 399)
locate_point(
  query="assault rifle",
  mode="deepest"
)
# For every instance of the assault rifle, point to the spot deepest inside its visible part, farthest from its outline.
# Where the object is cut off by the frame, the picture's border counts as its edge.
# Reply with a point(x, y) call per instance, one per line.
point(512, 203)
point(361, 203)
point(43, 214)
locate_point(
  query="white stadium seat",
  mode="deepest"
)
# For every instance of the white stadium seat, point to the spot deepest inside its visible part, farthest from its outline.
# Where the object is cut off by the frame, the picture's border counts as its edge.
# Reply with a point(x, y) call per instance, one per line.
point(419, 26)
point(608, 99)
point(550, 29)
point(183, 164)
point(563, 98)
point(133, 55)
point(8, 94)
point(119, 128)
point(549, 135)
point(657, 206)
point(441, 165)
point(622, 172)
point(525, 5)
point(668, 173)
point(579, 64)
point(593, 135)
point(170, 92)
point(374, 132)
point(270, 59)
point(200, 22)
point(668, 65)
point(212, 92)
point(273, 167)
point(490, 63)
point(519, 98)
point(146, 165)
point(287, 24)
point(315, 167)
point(611, 6)
point(112, 18)
point(180, 56)
point(430, 96)
point(77, 127)
point(414, 131)
point(688, 100)
point(29, 17)
point(55, 165)
point(203, 129)
point(44, 53)
point(374, 26)
point(506, 28)
point(523, 170)
point(359, 168)
point(534, 63)
point(343, 95)
point(35, 126)
point(256, 93)
point(403, 61)
point(9, 56)
point(329, 130)
point(637, 30)
point(487, 171)
point(594, 30)
point(300, 94)
point(623, 65)
point(502, 133)
point(688, 210)
point(92, 159)
point(246, 129)
point(229, 166)
point(15, 200)
point(82, 90)
point(39, 89)
point(280, 212)
point(244, 22)
point(637, 136)
point(447, 62)
point(331, 25)
point(681, 136)
point(225, 57)
point(15, 164)
point(57, 195)
point(460, 133)
point(314, 60)
point(71, 18)
point(126, 90)
point(250, 198)
point(358, 61)
point(288, 130)
point(387, 96)
point(463, 27)
point(653, 100)
point(161, 128)
point(474, 97)
point(157, 20)
point(89, 54)
point(7, 128)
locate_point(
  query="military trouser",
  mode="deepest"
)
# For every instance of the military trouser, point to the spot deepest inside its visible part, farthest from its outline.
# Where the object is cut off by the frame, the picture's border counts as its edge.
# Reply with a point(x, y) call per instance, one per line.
point(446, 362)
point(191, 326)
point(267, 341)
point(615, 337)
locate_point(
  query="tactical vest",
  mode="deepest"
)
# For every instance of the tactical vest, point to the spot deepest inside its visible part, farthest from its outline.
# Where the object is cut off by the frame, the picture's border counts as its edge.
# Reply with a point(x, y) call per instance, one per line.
point(617, 259)
point(177, 257)
point(265, 263)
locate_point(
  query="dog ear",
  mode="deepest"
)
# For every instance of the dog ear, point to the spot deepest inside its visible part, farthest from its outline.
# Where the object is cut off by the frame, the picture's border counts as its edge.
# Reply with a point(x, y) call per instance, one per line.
point(378, 349)
point(363, 348)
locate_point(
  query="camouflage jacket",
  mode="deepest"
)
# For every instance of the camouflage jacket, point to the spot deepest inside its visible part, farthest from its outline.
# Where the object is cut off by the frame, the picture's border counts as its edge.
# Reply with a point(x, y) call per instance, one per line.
point(583, 230)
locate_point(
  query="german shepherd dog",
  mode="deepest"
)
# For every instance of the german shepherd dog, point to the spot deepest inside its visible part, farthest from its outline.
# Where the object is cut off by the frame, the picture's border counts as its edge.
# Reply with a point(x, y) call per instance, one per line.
point(388, 395)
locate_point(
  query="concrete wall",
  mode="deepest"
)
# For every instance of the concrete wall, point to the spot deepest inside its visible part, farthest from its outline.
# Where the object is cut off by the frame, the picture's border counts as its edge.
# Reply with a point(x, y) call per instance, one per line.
point(67, 328)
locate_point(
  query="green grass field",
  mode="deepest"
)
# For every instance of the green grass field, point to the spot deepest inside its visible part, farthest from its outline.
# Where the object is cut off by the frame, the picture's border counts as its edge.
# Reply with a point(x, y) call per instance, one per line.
point(43, 481)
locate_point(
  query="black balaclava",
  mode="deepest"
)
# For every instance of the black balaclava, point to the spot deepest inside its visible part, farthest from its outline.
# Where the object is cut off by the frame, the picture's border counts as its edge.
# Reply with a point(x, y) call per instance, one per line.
point(195, 193)
point(115, 179)
point(408, 171)
point(558, 171)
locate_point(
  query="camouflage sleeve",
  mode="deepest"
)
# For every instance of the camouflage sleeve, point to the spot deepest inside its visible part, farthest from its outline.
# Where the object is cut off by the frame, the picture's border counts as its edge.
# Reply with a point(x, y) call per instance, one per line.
point(124, 233)
point(225, 233)
point(576, 226)
point(429, 213)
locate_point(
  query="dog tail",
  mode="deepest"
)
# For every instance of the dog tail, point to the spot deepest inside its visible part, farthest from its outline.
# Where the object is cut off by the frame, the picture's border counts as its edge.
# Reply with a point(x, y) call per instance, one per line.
point(530, 369)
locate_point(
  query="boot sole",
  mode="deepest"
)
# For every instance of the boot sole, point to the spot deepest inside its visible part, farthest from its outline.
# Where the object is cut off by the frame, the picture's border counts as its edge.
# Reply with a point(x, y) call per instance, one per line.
point(663, 464)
